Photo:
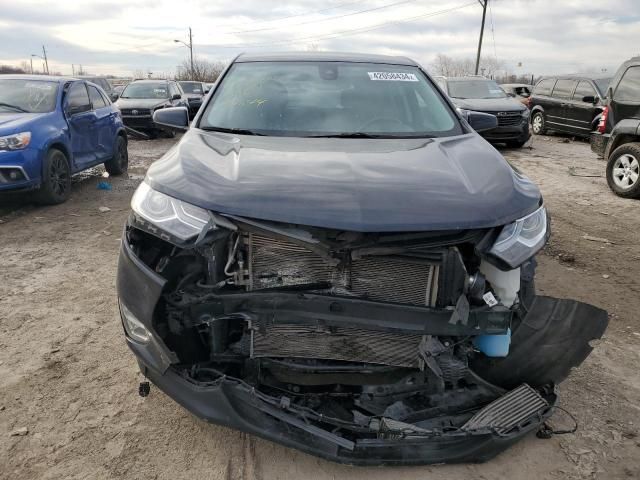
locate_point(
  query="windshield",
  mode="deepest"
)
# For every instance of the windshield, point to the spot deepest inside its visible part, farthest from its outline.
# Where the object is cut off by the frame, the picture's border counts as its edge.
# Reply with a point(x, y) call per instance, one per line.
point(146, 90)
point(329, 99)
point(191, 87)
point(27, 96)
point(603, 85)
point(479, 88)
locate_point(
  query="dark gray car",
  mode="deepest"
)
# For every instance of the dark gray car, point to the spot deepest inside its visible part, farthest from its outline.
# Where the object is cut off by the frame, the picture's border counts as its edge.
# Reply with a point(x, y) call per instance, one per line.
point(333, 259)
point(477, 93)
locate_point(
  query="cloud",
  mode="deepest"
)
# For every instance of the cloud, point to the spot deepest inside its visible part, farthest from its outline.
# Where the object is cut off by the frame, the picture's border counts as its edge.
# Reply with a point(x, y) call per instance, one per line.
point(120, 36)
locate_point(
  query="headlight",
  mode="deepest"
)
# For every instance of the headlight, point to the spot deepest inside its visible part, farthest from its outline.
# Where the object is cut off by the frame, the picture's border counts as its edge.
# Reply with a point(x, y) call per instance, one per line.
point(134, 327)
point(521, 239)
point(172, 216)
point(17, 141)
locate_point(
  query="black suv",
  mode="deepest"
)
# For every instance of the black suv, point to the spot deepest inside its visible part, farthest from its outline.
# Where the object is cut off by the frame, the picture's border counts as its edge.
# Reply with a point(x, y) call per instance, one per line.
point(569, 104)
point(480, 94)
point(141, 98)
point(617, 137)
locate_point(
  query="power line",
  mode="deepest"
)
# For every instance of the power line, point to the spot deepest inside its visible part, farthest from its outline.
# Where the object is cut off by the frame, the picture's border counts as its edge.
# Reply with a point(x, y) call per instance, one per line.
point(335, 17)
point(335, 7)
point(344, 32)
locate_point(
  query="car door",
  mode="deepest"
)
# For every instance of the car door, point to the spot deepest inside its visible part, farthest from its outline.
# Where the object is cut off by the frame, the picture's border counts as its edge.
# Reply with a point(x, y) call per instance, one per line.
point(580, 114)
point(542, 94)
point(558, 109)
point(625, 102)
point(81, 119)
point(104, 114)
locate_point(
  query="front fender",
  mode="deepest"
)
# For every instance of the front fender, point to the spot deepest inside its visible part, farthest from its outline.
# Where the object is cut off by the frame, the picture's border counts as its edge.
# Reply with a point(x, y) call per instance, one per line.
point(626, 127)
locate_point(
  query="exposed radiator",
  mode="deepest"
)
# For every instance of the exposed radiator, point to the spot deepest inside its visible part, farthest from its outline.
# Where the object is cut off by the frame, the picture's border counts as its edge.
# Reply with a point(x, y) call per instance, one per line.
point(508, 411)
point(333, 343)
point(278, 263)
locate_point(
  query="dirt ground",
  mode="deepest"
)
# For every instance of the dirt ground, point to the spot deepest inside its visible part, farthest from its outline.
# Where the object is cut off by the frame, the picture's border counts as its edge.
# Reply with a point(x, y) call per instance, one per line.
point(67, 377)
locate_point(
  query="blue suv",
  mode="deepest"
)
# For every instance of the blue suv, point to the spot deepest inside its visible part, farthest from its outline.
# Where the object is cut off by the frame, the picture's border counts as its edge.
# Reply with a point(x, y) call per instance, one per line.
point(53, 127)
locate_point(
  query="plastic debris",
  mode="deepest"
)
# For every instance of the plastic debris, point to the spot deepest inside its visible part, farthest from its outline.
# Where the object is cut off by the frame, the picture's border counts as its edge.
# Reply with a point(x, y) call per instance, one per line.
point(104, 209)
point(104, 186)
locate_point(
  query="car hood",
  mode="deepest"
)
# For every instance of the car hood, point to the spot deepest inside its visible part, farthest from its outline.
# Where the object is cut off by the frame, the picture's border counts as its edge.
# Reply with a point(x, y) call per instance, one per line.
point(141, 102)
point(349, 184)
point(489, 104)
point(13, 122)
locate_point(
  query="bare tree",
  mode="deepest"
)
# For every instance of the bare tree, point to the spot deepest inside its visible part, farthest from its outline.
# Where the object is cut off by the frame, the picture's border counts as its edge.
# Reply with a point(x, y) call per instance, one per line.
point(11, 69)
point(458, 67)
point(203, 70)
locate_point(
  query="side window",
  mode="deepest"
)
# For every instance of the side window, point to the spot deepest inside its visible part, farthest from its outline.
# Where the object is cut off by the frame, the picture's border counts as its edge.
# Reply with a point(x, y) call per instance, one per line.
point(173, 90)
point(563, 88)
point(629, 87)
point(545, 86)
point(584, 89)
point(107, 100)
point(78, 99)
point(104, 84)
point(96, 99)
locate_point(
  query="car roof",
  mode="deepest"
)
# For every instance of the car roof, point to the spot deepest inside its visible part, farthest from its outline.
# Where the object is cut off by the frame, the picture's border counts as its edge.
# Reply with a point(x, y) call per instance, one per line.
point(579, 76)
point(44, 78)
point(323, 57)
point(150, 80)
point(466, 78)
point(515, 85)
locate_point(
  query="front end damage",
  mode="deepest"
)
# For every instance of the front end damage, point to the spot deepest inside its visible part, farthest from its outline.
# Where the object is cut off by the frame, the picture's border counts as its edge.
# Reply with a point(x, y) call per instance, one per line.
point(364, 348)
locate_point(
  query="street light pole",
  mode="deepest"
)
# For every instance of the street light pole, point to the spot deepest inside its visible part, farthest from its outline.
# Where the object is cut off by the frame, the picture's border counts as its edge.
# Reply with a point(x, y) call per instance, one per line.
point(190, 47)
point(44, 52)
point(31, 65)
point(484, 14)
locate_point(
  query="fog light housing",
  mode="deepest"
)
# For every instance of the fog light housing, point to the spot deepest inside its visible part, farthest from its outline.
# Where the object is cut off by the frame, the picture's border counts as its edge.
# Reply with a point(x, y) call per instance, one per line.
point(11, 174)
point(135, 328)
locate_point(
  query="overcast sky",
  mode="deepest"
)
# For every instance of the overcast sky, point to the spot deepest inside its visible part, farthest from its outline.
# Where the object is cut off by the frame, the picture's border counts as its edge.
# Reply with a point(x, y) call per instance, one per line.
point(119, 37)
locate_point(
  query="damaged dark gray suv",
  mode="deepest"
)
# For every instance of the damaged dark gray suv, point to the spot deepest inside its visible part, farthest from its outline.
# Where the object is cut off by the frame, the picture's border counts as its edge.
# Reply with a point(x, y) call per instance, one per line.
point(333, 259)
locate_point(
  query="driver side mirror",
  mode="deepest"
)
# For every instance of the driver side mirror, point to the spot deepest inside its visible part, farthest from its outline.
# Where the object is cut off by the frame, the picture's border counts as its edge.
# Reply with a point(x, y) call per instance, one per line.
point(511, 94)
point(114, 96)
point(173, 118)
point(176, 96)
point(590, 99)
point(481, 122)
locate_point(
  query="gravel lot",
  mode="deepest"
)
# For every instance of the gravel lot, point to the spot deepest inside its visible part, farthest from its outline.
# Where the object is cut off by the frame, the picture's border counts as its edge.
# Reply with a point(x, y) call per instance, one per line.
point(69, 406)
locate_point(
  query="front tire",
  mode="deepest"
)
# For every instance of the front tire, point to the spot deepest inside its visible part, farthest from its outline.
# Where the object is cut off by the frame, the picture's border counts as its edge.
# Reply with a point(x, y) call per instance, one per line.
point(623, 170)
point(120, 161)
point(56, 179)
point(538, 124)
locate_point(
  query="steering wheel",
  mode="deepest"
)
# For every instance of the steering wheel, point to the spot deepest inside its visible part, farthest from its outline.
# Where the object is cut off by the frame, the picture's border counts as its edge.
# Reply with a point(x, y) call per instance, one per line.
point(389, 120)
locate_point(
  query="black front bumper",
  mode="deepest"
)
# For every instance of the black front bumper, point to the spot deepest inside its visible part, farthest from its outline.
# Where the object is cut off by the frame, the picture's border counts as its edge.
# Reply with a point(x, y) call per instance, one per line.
point(513, 133)
point(233, 403)
point(139, 122)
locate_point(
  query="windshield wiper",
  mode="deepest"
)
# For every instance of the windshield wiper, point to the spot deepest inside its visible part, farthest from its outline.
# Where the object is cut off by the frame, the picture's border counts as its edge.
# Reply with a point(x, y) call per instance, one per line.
point(238, 131)
point(15, 107)
point(349, 135)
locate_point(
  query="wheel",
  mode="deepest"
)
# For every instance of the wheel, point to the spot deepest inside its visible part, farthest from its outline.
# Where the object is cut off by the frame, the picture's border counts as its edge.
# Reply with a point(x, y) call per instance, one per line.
point(515, 143)
point(623, 170)
point(56, 179)
point(537, 124)
point(120, 161)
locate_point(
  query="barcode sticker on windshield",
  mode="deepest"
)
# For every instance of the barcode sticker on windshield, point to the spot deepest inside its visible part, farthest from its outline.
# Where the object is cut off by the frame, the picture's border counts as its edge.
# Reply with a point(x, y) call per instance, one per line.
point(393, 76)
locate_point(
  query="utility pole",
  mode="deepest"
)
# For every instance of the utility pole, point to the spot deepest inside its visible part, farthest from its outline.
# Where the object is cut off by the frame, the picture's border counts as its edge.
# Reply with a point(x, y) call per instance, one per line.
point(190, 47)
point(191, 52)
point(44, 52)
point(31, 65)
point(484, 14)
